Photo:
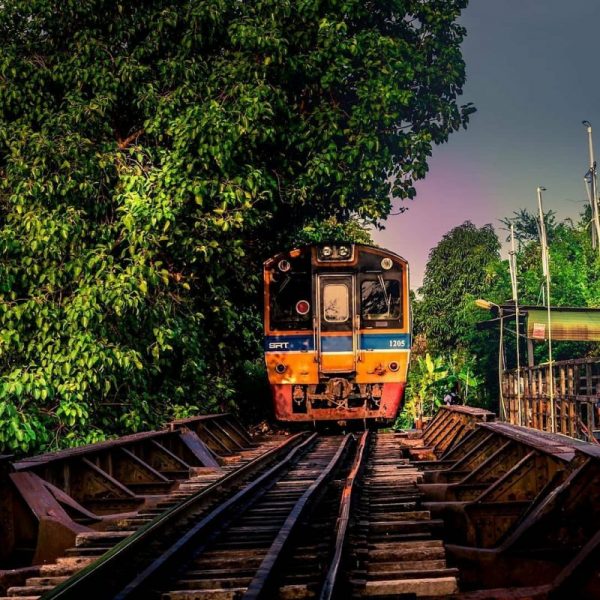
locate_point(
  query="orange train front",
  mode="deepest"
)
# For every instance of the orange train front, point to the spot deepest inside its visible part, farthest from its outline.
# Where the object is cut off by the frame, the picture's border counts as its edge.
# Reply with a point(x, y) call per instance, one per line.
point(337, 332)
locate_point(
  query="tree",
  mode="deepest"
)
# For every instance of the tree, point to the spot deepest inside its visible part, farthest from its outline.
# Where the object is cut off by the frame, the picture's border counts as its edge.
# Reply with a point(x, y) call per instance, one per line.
point(526, 225)
point(461, 268)
point(153, 153)
point(465, 265)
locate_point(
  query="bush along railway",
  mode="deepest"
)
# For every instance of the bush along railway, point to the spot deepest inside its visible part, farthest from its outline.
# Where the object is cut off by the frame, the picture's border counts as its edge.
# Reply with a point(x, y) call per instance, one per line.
point(469, 508)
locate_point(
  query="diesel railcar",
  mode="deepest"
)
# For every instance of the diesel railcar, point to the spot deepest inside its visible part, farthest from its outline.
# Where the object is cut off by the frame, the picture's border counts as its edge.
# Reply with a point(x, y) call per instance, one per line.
point(337, 332)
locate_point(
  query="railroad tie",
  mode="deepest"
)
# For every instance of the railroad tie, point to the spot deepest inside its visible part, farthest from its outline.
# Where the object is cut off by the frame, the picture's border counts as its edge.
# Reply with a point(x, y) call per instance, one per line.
point(395, 541)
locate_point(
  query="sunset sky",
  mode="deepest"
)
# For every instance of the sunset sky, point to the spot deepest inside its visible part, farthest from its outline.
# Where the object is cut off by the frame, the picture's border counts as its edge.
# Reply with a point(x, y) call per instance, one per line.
point(533, 74)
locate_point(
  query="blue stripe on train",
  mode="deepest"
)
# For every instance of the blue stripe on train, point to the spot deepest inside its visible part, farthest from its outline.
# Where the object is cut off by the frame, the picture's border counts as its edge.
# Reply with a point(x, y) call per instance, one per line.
point(336, 344)
point(368, 341)
point(385, 341)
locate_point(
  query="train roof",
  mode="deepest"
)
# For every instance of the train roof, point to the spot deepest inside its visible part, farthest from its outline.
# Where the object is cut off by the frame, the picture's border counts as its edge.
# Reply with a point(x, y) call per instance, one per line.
point(331, 243)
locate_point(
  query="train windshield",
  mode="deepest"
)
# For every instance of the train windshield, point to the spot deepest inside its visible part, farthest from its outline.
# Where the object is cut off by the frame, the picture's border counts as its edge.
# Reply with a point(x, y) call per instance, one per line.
point(381, 299)
point(291, 301)
point(336, 302)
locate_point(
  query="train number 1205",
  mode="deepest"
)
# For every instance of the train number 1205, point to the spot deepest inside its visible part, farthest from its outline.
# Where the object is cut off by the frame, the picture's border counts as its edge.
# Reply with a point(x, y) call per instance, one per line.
point(397, 343)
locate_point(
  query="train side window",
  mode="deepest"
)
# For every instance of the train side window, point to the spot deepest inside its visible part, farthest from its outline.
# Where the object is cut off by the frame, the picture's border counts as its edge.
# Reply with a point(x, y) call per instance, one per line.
point(287, 291)
point(381, 299)
point(336, 302)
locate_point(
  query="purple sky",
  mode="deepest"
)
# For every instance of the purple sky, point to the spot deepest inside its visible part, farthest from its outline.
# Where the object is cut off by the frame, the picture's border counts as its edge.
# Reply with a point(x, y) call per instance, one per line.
point(532, 72)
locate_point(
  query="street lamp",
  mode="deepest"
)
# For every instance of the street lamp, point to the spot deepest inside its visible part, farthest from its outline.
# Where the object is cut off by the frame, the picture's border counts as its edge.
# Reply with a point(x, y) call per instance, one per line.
point(486, 304)
point(492, 306)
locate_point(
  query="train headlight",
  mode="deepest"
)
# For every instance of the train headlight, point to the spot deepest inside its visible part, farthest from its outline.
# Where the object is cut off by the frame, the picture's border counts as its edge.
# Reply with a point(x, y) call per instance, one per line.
point(302, 307)
point(280, 368)
point(386, 263)
point(394, 366)
point(335, 252)
point(284, 265)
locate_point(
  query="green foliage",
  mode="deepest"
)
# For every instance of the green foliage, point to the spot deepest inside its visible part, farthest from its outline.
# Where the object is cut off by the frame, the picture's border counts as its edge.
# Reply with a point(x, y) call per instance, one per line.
point(430, 379)
point(526, 226)
point(462, 267)
point(331, 230)
point(153, 154)
point(423, 390)
point(465, 265)
point(574, 267)
point(575, 279)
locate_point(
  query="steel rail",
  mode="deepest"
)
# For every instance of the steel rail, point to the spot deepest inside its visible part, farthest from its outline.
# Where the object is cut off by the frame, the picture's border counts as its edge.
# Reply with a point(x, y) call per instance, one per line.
point(261, 585)
point(210, 525)
point(101, 572)
point(331, 582)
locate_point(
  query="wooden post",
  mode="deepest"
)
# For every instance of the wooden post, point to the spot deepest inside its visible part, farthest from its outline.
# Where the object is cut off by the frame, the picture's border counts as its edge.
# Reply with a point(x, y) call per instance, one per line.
point(530, 358)
point(572, 418)
point(570, 380)
point(589, 388)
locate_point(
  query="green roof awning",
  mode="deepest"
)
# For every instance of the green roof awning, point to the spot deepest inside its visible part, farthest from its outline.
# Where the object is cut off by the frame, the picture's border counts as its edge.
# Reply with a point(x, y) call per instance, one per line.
point(567, 325)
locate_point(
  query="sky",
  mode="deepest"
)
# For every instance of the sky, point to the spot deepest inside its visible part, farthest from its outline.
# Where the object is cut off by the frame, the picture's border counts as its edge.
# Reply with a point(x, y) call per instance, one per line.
point(533, 75)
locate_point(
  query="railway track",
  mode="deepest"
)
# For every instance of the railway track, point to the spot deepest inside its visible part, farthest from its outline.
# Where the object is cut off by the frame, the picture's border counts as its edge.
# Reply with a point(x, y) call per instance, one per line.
point(470, 509)
point(284, 534)
point(235, 547)
point(193, 455)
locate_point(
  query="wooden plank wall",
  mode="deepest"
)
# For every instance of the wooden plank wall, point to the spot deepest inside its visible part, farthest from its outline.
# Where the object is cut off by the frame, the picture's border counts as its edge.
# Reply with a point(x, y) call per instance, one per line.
point(576, 397)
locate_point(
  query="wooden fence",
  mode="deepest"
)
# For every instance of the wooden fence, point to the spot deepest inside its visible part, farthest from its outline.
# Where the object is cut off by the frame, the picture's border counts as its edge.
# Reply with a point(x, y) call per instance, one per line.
point(576, 397)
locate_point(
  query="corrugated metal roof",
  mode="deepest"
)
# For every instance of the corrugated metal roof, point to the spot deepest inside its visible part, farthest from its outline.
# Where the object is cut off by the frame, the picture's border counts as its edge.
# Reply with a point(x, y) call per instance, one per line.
point(578, 325)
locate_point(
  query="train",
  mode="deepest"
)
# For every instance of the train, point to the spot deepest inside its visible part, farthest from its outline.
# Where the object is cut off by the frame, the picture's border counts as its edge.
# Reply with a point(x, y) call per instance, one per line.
point(337, 326)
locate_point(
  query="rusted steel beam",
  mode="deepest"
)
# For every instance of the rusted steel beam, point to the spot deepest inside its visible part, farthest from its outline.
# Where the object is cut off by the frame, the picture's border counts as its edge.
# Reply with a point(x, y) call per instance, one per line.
point(482, 446)
point(447, 429)
point(56, 529)
point(579, 579)
point(213, 440)
point(509, 479)
point(96, 485)
point(199, 449)
point(226, 420)
point(167, 462)
point(98, 481)
point(557, 445)
point(60, 455)
point(523, 511)
point(465, 445)
point(439, 423)
point(138, 475)
point(230, 435)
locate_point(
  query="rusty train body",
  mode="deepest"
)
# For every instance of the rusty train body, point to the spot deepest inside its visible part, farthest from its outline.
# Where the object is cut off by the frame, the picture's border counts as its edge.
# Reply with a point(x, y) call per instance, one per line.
point(337, 332)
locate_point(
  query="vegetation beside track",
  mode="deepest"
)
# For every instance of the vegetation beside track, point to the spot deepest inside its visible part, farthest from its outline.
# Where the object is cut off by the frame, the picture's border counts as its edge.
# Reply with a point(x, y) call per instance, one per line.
point(153, 154)
point(449, 352)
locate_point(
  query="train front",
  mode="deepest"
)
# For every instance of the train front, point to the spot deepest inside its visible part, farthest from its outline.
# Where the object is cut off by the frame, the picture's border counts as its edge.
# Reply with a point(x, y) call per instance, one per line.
point(337, 332)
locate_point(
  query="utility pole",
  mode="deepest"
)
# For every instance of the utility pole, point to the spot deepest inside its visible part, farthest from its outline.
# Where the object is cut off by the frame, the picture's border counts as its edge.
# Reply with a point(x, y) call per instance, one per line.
point(590, 179)
point(546, 271)
point(515, 295)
